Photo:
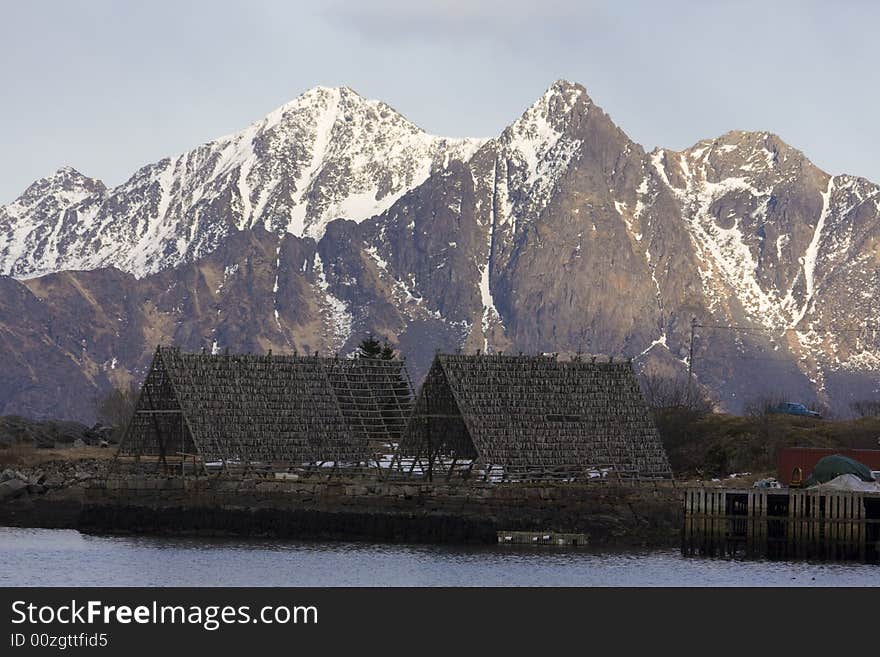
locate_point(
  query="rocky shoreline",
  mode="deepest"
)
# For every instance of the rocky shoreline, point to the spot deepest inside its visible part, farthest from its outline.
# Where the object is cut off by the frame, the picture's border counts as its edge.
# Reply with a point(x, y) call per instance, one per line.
point(32, 481)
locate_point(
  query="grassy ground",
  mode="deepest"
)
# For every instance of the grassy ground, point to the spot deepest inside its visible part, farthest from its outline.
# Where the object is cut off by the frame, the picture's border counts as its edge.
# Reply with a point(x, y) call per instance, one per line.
point(715, 445)
point(29, 456)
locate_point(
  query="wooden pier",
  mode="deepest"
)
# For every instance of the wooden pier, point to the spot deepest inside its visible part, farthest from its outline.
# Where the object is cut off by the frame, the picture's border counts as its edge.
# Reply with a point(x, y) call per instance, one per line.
point(782, 523)
point(542, 538)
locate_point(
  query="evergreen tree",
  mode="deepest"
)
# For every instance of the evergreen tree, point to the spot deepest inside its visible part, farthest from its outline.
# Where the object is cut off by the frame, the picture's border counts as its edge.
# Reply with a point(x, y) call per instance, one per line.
point(369, 348)
point(397, 394)
point(388, 352)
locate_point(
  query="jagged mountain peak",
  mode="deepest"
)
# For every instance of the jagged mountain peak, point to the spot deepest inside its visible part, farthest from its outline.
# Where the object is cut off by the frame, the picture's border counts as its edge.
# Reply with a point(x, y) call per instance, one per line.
point(322, 99)
point(538, 134)
point(322, 109)
point(66, 172)
point(567, 90)
point(334, 106)
point(563, 131)
point(65, 176)
point(339, 91)
point(551, 112)
point(65, 184)
point(746, 153)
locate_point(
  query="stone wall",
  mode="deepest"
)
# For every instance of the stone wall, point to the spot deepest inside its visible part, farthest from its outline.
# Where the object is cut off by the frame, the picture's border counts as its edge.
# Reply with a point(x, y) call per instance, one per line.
point(374, 510)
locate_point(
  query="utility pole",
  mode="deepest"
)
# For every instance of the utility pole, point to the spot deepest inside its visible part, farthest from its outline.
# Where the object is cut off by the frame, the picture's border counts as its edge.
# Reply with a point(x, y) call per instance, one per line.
point(691, 361)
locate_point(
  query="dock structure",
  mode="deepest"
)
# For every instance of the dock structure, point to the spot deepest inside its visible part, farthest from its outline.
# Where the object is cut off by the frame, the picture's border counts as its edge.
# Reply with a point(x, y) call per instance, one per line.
point(782, 523)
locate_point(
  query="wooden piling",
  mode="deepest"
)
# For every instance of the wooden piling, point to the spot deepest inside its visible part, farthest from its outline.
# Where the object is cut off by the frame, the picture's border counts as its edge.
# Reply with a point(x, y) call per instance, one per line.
point(782, 523)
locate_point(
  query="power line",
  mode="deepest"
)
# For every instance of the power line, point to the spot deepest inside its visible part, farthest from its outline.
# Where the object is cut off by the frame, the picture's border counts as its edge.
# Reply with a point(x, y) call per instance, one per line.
point(756, 329)
point(766, 360)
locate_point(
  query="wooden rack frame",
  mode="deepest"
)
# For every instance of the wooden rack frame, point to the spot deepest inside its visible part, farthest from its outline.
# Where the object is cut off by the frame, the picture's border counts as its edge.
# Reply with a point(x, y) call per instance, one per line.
point(527, 418)
point(253, 410)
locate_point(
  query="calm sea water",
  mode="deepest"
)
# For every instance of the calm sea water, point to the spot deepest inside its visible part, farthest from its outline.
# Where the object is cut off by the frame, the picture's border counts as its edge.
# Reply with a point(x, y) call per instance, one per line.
point(48, 557)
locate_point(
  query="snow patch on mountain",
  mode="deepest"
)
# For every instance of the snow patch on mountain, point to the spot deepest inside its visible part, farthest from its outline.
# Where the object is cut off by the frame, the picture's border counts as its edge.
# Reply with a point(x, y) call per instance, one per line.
point(329, 153)
point(715, 190)
point(812, 252)
point(724, 255)
point(340, 317)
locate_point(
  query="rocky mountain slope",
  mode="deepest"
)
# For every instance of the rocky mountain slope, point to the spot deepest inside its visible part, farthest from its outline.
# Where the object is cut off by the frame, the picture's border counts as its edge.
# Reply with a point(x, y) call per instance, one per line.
point(335, 216)
point(330, 153)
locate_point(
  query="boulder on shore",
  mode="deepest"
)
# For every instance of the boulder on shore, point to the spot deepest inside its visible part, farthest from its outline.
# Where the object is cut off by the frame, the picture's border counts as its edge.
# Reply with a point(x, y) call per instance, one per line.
point(12, 488)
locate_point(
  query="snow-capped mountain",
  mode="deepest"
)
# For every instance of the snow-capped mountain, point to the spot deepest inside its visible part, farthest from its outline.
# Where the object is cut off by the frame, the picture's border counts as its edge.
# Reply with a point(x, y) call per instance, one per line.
point(334, 217)
point(783, 246)
point(329, 153)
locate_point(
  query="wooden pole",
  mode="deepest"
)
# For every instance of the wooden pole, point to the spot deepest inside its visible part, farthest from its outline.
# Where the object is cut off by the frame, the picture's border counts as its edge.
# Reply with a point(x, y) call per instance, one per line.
point(691, 361)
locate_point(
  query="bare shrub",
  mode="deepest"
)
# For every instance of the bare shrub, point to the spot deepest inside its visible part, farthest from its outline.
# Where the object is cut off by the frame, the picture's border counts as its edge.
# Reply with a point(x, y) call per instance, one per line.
point(763, 405)
point(672, 393)
point(116, 407)
point(866, 408)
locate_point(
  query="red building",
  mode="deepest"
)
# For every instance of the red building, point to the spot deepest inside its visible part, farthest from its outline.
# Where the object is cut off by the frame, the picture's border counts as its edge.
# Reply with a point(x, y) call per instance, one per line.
point(790, 458)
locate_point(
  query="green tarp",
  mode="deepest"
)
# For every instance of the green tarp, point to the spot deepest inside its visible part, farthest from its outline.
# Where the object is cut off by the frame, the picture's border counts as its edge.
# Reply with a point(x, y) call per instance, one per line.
point(835, 465)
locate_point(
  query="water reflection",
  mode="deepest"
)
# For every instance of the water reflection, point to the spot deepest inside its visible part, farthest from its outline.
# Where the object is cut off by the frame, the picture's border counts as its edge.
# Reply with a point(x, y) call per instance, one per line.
point(39, 557)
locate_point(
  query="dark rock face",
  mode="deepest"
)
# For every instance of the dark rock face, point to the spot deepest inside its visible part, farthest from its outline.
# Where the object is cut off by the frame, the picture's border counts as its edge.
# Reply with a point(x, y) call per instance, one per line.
point(560, 235)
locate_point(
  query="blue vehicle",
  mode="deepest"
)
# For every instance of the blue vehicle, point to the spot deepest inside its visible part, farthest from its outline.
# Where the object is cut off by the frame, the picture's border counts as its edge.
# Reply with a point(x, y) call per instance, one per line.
point(792, 408)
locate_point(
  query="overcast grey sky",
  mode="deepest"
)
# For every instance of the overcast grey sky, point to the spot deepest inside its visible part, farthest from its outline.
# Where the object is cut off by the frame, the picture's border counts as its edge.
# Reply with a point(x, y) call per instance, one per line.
point(109, 86)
